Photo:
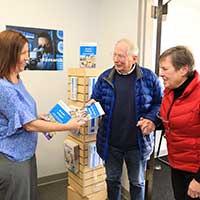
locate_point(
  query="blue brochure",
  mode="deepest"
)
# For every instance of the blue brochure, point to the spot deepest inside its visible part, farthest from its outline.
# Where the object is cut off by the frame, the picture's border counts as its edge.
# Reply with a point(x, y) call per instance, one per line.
point(94, 110)
point(59, 113)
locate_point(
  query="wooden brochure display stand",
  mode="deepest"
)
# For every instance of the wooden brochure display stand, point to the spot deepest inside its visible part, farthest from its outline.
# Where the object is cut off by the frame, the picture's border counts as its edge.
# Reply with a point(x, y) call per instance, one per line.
point(89, 182)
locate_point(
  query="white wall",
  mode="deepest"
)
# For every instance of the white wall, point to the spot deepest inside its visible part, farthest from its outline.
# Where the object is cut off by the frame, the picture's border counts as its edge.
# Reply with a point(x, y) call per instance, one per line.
point(118, 19)
point(181, 26)
point(81, 22)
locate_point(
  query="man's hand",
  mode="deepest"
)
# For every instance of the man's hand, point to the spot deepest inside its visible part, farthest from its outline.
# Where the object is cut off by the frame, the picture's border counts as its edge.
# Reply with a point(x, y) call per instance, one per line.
point(194, 189)
point(146, 126)
point(90, 102)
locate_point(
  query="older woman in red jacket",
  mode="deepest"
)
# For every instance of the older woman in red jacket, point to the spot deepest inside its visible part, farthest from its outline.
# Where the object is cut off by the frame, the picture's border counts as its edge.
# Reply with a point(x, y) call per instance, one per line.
point(180, 114)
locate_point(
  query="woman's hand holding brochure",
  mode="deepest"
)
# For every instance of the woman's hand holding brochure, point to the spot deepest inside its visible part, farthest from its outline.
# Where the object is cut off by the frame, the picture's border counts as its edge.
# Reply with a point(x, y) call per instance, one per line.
point(73, 117)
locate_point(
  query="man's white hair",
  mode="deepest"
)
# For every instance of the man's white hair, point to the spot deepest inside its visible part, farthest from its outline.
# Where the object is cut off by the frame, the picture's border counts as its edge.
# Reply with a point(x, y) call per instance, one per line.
point(133, 49)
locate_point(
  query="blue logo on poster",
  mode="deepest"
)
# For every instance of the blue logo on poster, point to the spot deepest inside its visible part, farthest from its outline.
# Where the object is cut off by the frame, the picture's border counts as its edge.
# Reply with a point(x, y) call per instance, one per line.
point(59, 34)
point(60, 46)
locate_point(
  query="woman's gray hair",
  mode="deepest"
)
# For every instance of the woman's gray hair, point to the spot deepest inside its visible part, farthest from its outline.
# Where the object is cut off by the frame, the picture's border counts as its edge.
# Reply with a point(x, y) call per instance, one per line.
point(180, 57)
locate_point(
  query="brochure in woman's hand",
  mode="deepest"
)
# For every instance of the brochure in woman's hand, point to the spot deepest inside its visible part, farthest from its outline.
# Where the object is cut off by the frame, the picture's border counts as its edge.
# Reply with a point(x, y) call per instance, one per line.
point(62, 113)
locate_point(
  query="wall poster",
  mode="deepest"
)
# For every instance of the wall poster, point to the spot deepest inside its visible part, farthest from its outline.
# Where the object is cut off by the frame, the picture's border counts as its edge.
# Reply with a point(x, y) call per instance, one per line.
point(45, 47)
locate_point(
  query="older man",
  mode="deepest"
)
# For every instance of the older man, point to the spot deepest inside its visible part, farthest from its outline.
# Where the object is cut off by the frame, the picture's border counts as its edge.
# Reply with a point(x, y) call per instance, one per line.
point(128, 93)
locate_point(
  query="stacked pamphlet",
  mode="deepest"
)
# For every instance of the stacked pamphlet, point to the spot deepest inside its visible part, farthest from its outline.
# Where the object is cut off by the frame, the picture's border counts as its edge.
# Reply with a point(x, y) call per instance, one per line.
point(93, 158)
point(71, 150)
point(73, 88)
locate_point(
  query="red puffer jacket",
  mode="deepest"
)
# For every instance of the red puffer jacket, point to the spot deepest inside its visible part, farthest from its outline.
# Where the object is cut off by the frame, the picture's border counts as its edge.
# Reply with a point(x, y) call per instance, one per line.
point(182, 126)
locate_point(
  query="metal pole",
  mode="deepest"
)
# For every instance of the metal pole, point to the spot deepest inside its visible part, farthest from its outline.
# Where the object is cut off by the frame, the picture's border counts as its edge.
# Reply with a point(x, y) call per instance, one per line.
point(158, 36)
point(151, 162)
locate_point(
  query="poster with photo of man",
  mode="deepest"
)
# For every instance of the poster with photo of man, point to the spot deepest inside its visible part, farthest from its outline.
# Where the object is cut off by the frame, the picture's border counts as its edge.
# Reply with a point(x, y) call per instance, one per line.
point(45, 47)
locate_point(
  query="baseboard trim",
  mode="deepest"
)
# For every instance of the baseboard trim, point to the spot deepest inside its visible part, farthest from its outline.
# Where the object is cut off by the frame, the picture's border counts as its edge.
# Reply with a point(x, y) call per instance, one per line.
point(52, 179)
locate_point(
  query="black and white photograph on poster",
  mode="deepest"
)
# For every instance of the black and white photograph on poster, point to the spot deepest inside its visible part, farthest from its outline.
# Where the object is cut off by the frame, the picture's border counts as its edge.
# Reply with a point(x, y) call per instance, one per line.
point(45, 47)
